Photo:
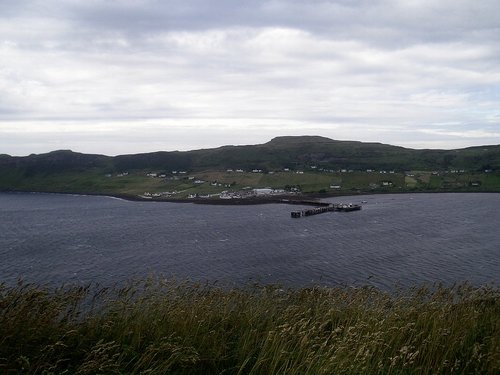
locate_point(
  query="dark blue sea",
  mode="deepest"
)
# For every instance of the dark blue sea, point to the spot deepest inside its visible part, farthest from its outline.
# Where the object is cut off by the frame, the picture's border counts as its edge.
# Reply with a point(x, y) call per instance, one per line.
point(395, 240)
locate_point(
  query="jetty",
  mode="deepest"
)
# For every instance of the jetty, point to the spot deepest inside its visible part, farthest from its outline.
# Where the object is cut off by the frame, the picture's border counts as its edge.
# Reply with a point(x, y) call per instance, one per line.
point(326, 207)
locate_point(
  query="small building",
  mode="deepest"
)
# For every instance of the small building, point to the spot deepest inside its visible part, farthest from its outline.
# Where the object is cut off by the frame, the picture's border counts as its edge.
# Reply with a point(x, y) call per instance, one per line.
point(263, 191)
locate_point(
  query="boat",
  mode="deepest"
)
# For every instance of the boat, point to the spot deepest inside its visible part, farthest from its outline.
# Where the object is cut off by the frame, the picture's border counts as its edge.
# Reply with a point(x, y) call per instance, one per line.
point(349, 207)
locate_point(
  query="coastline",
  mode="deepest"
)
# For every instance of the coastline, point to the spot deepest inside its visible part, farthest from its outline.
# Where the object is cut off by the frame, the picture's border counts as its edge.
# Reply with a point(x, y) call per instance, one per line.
point(302, 198)
point(289, 199)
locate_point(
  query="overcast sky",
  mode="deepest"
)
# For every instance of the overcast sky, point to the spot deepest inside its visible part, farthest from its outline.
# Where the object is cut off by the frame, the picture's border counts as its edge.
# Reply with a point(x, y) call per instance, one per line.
point(128, 76)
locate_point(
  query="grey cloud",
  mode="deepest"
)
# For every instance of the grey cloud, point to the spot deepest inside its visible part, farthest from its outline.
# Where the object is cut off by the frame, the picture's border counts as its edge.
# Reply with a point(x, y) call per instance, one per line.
point(380, 21)
point(129, 27)
point(392, 23)
point(346, 69)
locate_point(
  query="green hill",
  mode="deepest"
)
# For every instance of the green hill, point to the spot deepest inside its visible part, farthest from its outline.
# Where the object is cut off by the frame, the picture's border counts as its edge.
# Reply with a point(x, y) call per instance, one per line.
point(68, 171)
point(280, 152)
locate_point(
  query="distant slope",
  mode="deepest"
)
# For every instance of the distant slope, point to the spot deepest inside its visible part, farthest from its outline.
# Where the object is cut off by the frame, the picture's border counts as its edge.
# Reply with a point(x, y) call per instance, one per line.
point(300, 152)
point(280, 152)
point(55, 161)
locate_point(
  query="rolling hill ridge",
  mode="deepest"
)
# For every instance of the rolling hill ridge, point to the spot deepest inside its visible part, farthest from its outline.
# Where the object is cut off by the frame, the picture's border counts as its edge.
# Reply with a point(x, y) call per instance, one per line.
point(280, 152)
point(320, 164)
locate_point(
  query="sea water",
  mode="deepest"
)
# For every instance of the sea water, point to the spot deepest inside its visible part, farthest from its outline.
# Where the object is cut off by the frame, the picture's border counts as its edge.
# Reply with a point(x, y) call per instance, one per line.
point(395, 240)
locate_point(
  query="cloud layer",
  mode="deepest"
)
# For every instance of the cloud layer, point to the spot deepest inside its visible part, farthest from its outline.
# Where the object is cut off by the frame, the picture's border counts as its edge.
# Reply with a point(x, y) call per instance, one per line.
point(131, 76)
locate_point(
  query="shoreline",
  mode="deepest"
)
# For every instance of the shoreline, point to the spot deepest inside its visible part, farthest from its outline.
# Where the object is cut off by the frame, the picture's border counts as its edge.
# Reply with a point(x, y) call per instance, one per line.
point(305, 199)
point(289, 199)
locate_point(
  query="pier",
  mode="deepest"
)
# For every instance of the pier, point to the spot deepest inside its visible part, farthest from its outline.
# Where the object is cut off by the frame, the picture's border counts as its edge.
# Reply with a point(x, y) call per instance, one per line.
point(305, 202)
point(326, 207)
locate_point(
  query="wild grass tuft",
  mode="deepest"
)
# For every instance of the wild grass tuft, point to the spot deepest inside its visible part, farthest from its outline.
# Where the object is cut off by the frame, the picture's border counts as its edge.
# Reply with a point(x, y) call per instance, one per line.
point(162, 326)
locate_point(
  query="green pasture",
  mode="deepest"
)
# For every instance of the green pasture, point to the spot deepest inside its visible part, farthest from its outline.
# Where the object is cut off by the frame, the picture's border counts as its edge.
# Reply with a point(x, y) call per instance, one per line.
point(136, 182)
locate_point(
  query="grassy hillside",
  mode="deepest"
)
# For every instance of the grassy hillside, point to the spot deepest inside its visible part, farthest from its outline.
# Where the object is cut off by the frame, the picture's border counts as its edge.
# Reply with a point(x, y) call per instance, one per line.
point(279, 153)
point(160, 327)
point(322, 163)
point(214, 182)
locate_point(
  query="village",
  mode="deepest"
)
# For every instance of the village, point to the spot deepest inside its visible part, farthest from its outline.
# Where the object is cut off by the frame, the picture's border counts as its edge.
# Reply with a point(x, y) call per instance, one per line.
point(238, 183)
point(241, 193)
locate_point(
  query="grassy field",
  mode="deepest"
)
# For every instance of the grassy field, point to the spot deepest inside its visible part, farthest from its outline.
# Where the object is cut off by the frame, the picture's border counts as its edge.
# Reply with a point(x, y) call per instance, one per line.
point(309, 181)
point(163, 327)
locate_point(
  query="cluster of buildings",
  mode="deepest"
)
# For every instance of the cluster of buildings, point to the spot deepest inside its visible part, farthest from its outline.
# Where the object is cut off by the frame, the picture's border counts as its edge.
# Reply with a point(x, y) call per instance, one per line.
point(251, 193)
point(165, 194)
point(122, 174)
point(244, 193)
point(163, 174)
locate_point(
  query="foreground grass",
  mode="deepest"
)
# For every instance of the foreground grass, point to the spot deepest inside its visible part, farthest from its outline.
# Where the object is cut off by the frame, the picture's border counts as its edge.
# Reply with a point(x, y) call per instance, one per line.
point(160, 327)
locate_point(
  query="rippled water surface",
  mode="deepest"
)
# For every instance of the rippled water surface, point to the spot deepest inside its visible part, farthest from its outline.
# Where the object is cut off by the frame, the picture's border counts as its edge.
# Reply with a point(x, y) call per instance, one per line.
point(395, 239)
